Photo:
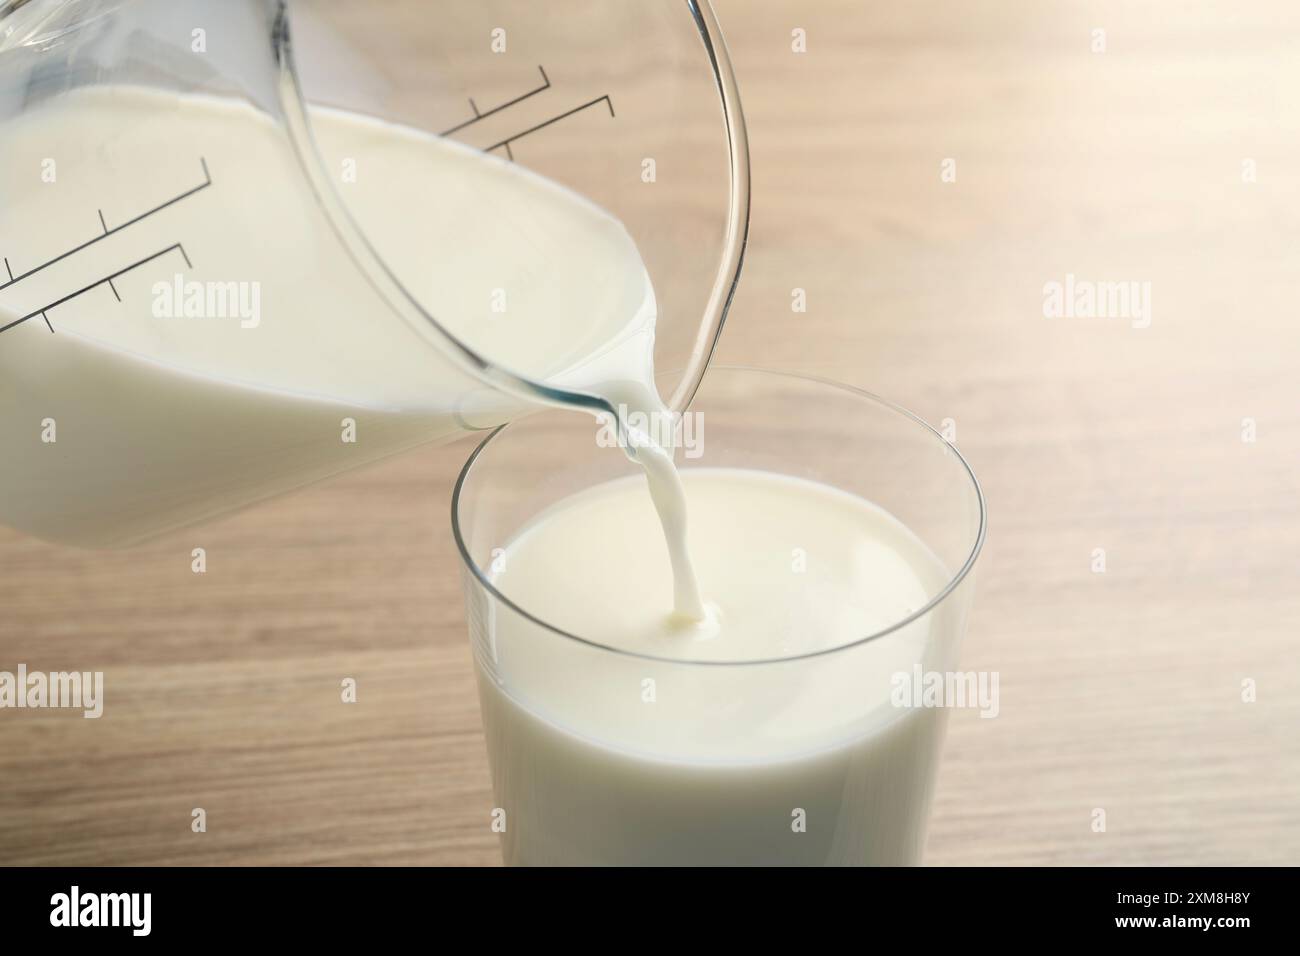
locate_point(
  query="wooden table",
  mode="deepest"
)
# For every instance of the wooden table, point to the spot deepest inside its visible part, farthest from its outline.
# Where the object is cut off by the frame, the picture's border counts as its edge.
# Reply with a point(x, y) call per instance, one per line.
point(1121, 690)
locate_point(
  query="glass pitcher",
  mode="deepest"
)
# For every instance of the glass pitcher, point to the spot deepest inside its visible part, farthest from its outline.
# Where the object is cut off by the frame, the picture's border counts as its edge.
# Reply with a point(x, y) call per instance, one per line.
point(249, 244)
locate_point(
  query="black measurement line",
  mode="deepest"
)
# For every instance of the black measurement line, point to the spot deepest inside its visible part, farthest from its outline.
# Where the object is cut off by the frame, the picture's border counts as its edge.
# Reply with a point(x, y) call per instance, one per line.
point(546, 85)
point(7, 269)
point(114, 288)
point(94, 285)
point(47, 323)
point(555, 119)
point(207, 181)
point(102, 223)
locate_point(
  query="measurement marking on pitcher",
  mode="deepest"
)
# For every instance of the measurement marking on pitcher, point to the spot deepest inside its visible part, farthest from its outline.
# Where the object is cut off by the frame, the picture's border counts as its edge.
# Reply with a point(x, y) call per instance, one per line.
point(546, 85)
point(107, 280)
point(554, 119)
point(207, 181)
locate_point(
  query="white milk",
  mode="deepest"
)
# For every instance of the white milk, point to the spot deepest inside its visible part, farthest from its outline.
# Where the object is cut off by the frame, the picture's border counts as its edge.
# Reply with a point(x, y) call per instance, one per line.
point(160, 421)
point(602, 757)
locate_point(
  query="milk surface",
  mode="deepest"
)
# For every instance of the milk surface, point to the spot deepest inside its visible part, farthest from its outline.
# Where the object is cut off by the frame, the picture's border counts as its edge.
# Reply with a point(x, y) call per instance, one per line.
point(711, 761)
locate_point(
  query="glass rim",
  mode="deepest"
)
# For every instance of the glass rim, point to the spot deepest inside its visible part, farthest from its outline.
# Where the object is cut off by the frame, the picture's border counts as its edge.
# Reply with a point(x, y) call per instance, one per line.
point(954, 580)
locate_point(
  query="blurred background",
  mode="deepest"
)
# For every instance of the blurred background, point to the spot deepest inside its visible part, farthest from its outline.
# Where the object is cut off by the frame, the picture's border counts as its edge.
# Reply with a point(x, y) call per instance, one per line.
point(921, 172)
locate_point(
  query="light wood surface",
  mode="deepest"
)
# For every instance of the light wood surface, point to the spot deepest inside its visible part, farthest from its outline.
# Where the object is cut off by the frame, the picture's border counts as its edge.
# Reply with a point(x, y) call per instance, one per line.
point(1120, 690)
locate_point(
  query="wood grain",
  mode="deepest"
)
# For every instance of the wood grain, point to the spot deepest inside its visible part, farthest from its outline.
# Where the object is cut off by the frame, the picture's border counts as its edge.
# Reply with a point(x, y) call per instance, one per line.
point(1120, 690)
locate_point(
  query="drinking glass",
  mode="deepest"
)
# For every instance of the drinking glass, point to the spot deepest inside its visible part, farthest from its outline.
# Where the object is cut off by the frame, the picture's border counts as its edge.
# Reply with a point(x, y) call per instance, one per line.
point(807, 759)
